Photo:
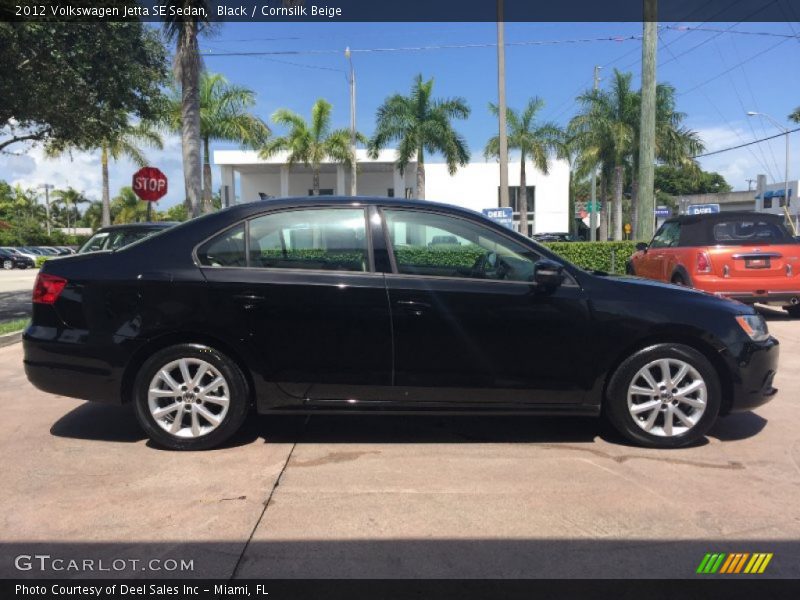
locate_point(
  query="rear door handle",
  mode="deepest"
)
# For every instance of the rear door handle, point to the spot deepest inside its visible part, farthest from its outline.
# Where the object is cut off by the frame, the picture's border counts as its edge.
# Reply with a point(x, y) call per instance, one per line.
point(249, 300)
point(413, 307)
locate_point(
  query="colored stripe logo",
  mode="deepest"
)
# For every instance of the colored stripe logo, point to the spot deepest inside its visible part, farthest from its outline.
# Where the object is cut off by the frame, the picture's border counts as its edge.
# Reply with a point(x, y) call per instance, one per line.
point(735, 563)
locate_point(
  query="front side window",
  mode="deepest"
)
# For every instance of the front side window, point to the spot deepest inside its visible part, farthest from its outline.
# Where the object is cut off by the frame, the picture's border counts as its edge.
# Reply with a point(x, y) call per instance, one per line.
point(328, 239)
point(667, 236)
point(442, 246)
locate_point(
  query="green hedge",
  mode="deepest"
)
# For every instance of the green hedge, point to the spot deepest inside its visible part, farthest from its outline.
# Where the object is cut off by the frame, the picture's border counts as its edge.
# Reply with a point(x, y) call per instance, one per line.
point(40, 260)
point(595, 255)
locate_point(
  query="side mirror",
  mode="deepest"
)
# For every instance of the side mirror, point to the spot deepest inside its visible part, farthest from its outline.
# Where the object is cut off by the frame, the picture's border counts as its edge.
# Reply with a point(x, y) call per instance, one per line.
point(641, 247)
point(548, 274)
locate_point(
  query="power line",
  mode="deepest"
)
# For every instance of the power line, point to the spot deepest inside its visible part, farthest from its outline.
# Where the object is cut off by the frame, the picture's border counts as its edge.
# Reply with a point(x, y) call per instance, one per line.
point(772, 137)
point(616, 38)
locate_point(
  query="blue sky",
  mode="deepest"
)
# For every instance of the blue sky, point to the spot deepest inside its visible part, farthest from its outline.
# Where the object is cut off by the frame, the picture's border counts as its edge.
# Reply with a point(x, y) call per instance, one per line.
point(719, 76)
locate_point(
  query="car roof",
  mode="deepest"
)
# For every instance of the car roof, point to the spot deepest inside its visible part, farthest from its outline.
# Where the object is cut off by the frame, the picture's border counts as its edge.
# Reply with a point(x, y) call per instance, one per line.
point(151, 225)
point(733, 214)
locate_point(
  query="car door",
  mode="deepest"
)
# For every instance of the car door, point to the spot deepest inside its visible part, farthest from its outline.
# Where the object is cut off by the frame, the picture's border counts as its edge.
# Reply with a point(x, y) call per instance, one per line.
point(298, 287)
point(470, 326)
point(652, 264)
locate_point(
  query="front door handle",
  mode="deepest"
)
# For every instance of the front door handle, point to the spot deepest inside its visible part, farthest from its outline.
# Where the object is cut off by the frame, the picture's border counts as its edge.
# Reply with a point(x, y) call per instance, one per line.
point(249, 300)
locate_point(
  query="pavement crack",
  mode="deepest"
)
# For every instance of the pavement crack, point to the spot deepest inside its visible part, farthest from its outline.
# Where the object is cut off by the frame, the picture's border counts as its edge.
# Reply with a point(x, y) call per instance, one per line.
point(275, 485)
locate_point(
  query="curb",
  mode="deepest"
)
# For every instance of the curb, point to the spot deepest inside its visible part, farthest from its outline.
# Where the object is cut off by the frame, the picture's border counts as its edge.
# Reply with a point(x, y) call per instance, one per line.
point(10, 338)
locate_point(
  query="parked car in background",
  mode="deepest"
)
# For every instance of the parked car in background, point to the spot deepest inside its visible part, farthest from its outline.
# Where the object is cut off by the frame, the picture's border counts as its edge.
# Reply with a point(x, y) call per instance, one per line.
point(19, 252)
point(10, 260)
point(554, 237)
point(328, 304)
point(750, 257)
point(115, 237)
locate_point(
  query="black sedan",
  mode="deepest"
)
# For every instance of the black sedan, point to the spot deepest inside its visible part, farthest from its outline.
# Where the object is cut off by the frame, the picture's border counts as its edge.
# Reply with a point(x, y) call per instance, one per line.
point(14, 260)
point(340, 304)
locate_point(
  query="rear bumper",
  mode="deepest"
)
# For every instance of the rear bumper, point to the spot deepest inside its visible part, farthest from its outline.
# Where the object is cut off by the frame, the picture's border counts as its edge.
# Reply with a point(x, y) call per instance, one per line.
point(780, 298)
point(753, 378)
point(60, 362)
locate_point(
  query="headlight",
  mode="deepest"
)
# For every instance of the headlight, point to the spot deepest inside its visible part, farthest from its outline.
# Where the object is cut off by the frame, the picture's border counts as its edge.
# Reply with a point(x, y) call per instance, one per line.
point(754, 326)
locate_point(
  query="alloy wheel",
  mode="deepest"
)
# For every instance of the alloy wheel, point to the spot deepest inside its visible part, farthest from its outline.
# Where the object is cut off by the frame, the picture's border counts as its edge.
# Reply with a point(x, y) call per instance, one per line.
point(8, 265)
point(188, 398)
point(667, 397)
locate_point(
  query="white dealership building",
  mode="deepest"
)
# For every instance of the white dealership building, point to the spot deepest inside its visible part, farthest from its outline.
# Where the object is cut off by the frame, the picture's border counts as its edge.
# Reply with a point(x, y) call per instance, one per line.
point(245, 177)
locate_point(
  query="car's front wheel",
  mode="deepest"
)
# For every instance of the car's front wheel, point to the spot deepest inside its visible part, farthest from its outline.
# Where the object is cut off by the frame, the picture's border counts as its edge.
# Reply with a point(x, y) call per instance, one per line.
point(8, 265)
point(190, 397)
point(663, 396)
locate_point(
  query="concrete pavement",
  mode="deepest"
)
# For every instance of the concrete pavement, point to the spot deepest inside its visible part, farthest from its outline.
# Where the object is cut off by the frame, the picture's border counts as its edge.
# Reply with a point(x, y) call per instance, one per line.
point(15, 293)
point(409, 496)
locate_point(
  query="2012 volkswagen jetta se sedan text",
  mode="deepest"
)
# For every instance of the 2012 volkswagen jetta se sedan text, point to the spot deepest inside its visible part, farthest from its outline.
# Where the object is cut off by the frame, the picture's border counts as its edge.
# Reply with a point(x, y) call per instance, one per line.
point(340, 304)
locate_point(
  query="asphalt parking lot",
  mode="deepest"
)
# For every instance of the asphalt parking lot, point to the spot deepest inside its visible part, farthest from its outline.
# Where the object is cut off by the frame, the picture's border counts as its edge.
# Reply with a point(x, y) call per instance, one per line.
point(15, 293)
point(396, 497)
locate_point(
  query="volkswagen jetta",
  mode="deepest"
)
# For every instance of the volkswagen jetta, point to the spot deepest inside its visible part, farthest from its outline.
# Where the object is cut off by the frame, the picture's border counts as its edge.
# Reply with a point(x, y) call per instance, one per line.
point(347, 304)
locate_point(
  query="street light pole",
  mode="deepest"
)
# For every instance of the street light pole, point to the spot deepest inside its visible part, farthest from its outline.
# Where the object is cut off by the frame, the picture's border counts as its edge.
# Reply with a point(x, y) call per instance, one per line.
point(501, 104)
point(786, 132)
point(593, 203)
point(354, 166)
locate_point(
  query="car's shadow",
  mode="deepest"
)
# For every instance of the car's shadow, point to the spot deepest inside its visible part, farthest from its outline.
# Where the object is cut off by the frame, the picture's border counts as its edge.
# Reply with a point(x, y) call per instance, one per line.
point(117, 424)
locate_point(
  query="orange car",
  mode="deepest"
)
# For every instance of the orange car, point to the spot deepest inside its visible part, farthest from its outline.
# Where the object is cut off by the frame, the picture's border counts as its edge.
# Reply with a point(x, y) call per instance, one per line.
point(750, 257)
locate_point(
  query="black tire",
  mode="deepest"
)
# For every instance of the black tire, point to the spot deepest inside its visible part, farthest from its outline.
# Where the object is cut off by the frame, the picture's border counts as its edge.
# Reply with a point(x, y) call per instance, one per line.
point(615, 407)
point(678, 279)
point(238, 397)
point(794, 311)
point(629, 270)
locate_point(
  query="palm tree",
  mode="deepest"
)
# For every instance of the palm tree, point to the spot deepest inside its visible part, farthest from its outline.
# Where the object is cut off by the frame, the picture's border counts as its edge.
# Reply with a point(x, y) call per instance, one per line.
point(795, 116)
point(128, 208)
point(184, 31)
point(70, 198)
point(604, 133)
point(126, 143)
point(420, 123)
point(534, 140)
point(223, 116)
point(311, 143)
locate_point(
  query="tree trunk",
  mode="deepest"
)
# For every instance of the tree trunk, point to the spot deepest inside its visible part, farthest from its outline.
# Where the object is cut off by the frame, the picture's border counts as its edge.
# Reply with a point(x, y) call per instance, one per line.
point(189, 65)
point(603, 220)
point(634, 206)
point(315, 182)
point(207, 205)
point(522, 197)
point(106, 196)
point(618, 202)
point(420, 175)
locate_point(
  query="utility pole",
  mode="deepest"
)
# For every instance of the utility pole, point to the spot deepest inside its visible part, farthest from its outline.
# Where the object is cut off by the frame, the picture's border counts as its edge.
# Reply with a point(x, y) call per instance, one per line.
point(501, 103)
point(354, 167)
point(593, 207)
point(647, 127)
point(786, 191)
point(47, 187)
point(750, 183)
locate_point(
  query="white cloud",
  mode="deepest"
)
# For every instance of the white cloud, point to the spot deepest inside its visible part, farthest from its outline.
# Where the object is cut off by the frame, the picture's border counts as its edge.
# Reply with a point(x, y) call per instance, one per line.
point(82, 170)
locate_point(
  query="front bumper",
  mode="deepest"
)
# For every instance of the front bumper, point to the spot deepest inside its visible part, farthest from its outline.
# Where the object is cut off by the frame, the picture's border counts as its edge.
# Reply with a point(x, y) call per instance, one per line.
point(753, 374)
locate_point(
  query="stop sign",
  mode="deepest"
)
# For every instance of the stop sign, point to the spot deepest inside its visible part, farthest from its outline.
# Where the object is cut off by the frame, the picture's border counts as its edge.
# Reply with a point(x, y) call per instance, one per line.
point(149, 184)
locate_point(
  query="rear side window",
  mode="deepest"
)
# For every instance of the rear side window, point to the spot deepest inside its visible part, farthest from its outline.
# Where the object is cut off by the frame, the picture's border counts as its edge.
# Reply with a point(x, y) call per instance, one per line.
point(224, 250)
point(326, 239)
point(749, 231)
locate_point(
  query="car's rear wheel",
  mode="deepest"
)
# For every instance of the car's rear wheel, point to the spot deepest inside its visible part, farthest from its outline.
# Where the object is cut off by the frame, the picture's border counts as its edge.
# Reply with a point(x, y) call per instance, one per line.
point(678, 279)
point(663, 396)
point(8, 265)
point(190, 397)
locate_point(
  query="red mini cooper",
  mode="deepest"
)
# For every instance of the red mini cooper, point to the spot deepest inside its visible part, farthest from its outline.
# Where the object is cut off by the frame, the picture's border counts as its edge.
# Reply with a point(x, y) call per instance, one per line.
point(750, 257)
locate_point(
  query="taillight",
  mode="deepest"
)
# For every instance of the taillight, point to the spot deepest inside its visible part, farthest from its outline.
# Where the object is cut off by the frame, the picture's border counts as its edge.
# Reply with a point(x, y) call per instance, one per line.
point(47, 288)
point(703, 263)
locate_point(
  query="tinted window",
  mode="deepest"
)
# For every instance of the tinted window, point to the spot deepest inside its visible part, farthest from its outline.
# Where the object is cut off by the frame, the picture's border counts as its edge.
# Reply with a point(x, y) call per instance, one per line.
point(749, 231)
point(329, 239)
point(438, 245)
point(667, 236)
point(224, 250)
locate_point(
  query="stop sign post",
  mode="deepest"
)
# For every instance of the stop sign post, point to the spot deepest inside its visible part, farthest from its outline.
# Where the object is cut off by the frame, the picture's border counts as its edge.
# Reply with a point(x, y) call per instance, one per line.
point(150, 184)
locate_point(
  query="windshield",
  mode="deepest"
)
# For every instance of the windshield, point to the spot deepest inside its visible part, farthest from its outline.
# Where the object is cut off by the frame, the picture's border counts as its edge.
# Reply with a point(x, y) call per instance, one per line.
point(113, 240)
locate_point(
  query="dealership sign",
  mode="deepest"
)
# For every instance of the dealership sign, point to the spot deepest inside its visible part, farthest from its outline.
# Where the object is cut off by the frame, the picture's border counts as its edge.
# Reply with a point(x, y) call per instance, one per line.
point(702, 209)
point(503, 216)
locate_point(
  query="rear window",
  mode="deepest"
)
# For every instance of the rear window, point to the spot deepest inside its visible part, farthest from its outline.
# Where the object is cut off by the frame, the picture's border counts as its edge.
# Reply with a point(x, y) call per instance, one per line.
point(737, 232)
